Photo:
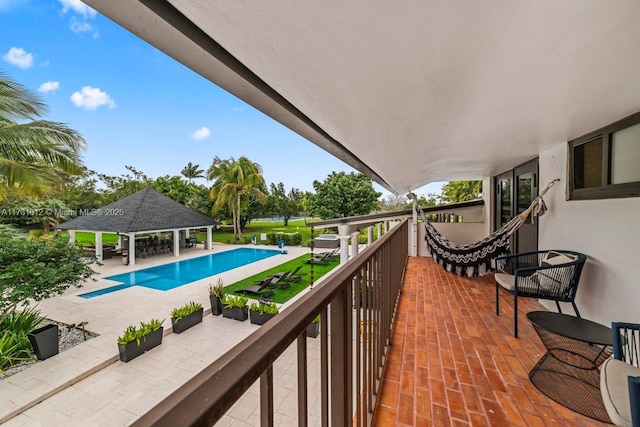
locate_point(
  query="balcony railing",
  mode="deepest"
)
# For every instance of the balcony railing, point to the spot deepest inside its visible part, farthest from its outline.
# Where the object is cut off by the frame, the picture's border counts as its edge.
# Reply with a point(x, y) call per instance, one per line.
point(357, 305)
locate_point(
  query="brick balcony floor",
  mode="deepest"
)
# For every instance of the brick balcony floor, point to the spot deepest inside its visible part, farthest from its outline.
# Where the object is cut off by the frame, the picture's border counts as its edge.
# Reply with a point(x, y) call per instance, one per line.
point(454, 362)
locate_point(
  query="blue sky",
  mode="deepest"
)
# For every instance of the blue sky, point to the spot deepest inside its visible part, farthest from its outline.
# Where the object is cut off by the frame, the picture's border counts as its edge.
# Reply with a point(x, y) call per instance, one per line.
point(136, 106)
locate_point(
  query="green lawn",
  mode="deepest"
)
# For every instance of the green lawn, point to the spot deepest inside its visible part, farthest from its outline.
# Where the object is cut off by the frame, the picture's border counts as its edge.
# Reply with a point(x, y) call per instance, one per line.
point(224, 235)
point(281, 296)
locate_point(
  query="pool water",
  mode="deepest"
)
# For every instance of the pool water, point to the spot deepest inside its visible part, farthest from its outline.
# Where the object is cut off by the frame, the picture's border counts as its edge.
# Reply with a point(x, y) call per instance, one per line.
point(170, 276)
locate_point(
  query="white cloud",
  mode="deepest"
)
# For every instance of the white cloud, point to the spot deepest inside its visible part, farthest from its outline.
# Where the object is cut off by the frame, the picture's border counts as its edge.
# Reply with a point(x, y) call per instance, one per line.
point(49, 87)
point(80, 27)
point(78, 7)
point(19, 57)
point(201, 133)
point(91, 98)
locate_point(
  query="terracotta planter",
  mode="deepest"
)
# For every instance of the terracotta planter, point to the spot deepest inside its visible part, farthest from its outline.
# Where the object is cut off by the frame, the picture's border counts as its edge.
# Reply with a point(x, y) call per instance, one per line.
point(132, 350)
point(216, 305)
point(236, 313)
point(44, 341)
point(186, 322)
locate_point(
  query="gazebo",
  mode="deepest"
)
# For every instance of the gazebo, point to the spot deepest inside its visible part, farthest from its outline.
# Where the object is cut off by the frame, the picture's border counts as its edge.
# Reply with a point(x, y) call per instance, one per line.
point(146, 211)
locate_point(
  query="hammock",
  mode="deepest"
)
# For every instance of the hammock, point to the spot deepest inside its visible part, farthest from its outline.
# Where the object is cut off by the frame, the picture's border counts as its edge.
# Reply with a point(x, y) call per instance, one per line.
point(475, 259)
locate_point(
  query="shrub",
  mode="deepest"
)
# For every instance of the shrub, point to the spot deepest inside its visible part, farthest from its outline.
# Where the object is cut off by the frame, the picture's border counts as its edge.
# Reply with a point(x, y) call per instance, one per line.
point(290, 239)
point(133, 333)
point(230, 301)
point(185, 310)
point(33, 270)
point(217, 290)
point(20, 324)
point(263, 308)
point(11, 351)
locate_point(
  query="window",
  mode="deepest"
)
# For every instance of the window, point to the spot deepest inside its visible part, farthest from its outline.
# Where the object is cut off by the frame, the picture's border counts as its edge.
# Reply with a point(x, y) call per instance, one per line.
point(605, 163)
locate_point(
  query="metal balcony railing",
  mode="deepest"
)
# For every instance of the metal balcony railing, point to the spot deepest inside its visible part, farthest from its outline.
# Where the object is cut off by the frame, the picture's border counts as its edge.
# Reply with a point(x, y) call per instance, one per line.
point(357, 303)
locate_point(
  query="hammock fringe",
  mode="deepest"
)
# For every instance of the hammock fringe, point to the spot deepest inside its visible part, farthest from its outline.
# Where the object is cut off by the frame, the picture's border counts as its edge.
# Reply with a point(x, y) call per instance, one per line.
point(476, 259)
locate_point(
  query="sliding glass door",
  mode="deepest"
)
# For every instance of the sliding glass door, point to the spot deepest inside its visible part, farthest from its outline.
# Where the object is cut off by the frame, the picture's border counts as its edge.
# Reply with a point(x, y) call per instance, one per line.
point(515, 190)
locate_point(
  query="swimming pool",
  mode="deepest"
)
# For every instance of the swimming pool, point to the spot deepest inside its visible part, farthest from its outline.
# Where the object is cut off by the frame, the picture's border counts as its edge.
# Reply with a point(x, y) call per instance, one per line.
point(179, 273)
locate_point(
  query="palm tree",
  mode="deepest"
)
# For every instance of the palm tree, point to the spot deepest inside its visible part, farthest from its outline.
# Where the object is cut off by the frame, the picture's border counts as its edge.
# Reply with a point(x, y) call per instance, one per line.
point(34, 153)
point(192, 172)
point(234, 182)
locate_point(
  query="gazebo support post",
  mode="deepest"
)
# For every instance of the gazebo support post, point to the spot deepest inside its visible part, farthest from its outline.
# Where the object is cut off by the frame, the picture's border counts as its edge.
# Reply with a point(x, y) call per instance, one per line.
point(209, 238)
point(98, 235)
point(132, 249)
point(72, 236)
point(176, 243)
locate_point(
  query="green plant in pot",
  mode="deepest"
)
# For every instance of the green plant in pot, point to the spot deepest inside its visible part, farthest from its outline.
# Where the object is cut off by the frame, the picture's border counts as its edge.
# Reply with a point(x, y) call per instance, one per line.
point(235, 307)
point(262, 311)
point(216, 293)
point(314, 328)
point(136, 340)
point(182, 318)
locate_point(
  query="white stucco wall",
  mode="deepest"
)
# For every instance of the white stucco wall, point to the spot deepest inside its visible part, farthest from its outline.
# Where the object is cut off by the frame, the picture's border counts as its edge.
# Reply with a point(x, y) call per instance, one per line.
point(607, 231)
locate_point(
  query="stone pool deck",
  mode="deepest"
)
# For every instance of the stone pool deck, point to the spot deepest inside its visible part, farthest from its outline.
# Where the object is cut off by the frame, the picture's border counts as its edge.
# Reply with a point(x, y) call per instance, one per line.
point(88, 385)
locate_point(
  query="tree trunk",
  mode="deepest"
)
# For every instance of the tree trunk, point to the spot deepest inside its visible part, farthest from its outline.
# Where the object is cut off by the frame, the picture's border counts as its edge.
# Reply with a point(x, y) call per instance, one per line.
point(233, 220)
point(238, 219)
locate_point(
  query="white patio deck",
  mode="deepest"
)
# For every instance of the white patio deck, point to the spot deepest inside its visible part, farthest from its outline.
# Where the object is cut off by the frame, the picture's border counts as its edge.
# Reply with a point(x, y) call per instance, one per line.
point(88, 385)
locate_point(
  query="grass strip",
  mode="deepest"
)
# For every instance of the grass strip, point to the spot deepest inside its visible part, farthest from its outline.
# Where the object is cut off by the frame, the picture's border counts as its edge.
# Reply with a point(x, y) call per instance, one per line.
point(281, 296)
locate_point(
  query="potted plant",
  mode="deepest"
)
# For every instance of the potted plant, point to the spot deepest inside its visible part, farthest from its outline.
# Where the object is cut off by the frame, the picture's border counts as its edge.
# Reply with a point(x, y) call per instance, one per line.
point(314, 328)
point(44, 341)
point(182, 318)
point(137, 340)
point(261, 312)
point(235, 307)
point(215, 296)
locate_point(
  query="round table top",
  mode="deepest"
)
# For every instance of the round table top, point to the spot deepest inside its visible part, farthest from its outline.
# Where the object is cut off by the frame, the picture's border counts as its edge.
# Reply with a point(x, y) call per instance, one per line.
point(571, 327)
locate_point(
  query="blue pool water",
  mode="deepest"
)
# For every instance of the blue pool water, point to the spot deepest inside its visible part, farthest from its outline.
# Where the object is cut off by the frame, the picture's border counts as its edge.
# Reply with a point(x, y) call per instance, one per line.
point(175, 274)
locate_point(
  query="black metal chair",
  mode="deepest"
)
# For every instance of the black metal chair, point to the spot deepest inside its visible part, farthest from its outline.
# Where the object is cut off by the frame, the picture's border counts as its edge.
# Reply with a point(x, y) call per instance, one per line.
point(551, 275)
point(620, 376)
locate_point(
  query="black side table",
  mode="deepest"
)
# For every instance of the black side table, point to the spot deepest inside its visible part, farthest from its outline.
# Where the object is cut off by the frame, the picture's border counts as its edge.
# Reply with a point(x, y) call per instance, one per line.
point(568, 372)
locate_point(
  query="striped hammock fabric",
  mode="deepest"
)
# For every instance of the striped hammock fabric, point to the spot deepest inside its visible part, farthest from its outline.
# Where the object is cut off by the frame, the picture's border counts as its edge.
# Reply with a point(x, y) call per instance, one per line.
point(475, 259)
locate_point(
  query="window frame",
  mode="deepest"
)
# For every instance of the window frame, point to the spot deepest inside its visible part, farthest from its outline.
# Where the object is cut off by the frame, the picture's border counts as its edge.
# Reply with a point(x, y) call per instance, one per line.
point(606, 190)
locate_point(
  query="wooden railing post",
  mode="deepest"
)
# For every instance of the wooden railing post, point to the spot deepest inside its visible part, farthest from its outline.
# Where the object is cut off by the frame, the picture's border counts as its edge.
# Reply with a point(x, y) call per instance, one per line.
point(341, 376)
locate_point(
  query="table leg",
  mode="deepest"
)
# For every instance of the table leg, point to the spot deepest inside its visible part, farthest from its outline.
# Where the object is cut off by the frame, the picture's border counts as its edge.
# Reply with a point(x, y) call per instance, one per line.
point(573, 387)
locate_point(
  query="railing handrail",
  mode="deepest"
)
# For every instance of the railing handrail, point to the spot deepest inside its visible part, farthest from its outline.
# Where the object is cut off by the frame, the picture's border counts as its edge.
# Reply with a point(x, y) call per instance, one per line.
point(206, 397)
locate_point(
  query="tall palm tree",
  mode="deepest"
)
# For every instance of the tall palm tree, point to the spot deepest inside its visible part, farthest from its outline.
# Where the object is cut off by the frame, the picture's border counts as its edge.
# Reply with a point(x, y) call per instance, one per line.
point(192, 172)
point(234, 182)
point(34, 153)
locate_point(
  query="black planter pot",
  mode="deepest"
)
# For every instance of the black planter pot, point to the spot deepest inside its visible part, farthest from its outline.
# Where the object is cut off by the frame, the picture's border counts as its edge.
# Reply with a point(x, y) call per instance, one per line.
point(216, 305)
point(259, 319)
point(44, 341)
point(132, 350)
point(236, 313)
point(186, 322)
point(313, 330)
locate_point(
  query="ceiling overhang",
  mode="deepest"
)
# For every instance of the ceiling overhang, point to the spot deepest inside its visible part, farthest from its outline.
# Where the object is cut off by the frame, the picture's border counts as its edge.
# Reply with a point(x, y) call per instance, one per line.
point(415, 92)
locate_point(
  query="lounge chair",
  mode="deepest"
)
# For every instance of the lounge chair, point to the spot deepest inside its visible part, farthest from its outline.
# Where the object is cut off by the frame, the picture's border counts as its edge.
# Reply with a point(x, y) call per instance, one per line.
point(291, 276)
point(259, 289)
point(324, 259)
